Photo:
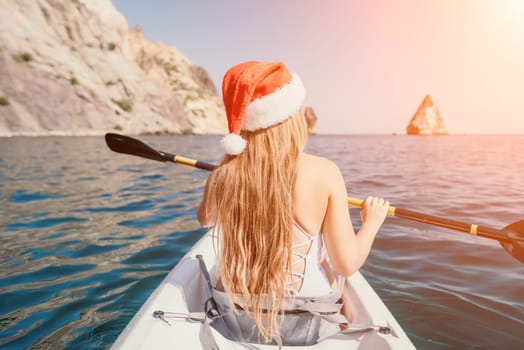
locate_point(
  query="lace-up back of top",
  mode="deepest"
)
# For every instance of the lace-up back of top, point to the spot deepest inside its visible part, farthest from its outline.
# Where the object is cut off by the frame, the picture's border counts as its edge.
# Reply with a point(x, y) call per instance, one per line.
point(306, 277)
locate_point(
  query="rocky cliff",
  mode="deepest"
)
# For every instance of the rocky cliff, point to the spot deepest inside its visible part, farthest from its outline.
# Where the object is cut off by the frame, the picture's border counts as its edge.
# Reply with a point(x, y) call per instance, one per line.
point(74, 67)
point(427, 120)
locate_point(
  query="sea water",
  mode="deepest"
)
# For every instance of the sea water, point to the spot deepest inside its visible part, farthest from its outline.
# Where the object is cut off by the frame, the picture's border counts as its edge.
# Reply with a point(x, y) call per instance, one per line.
point(87, 234)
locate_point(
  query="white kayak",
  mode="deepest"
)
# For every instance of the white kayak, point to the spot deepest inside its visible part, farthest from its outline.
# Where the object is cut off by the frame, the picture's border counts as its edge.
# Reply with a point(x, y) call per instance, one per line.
point(183, 292)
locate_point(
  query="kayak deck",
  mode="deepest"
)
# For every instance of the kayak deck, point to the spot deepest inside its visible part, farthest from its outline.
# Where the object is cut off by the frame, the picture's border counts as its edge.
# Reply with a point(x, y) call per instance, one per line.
point(183, 291)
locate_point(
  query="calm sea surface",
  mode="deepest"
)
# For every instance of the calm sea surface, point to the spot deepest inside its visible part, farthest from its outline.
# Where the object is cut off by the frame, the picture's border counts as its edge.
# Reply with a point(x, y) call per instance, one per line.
point(87, 234)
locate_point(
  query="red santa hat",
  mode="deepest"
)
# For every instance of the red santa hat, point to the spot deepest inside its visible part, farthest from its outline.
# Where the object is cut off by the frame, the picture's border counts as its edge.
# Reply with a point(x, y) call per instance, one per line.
point(258, 95)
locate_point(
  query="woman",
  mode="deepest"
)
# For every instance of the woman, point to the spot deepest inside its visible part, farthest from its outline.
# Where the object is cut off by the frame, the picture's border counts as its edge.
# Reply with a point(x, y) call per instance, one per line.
point(276, 206)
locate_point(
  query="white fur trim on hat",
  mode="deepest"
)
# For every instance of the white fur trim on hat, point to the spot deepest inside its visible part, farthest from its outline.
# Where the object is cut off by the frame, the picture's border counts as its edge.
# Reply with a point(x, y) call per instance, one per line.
point(233, 144)
point(276, 107)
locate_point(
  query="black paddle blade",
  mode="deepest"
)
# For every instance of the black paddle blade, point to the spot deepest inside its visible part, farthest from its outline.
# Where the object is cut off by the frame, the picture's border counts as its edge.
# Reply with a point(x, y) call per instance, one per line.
point(516, 246)
point(129, 145)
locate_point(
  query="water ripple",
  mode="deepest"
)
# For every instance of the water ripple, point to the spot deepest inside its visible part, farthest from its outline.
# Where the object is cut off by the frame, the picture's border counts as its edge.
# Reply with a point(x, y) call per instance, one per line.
point(22, 196)
point(44, 223)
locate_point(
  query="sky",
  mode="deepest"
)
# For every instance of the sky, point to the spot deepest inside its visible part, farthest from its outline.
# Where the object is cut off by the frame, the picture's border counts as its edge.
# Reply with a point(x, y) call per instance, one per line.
point(366, 65)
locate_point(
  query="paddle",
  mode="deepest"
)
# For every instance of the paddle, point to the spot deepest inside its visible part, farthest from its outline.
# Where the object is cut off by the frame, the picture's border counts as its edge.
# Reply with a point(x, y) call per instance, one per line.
point(510, 237)
point(129, 145)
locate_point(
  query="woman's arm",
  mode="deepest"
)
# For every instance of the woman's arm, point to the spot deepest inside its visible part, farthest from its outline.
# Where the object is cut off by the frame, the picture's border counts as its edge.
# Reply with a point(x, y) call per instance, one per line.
point(348, 251)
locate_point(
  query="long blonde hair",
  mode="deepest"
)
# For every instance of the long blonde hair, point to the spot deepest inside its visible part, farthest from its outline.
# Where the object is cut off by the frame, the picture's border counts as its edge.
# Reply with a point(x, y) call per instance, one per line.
point(252, 200)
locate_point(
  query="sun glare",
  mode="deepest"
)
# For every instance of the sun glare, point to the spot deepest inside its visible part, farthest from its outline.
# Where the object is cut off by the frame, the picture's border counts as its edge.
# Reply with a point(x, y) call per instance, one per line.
point(515, 9)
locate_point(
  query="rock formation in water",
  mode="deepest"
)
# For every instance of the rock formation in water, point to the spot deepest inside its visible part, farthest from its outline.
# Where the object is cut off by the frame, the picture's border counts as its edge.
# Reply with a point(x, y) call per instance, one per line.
point(74, 67)
point(311, 119)
point(427, 120)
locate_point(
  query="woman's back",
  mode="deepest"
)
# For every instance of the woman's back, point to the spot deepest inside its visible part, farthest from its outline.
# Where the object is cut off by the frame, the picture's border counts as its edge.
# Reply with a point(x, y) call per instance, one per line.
point(311, 193)
point(310, 204)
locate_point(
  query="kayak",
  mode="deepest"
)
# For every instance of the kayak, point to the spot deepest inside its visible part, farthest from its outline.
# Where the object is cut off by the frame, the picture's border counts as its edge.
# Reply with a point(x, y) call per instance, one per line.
point(168, 319)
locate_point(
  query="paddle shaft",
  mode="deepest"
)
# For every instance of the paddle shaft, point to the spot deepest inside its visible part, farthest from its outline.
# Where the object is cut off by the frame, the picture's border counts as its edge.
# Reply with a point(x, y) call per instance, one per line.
point(187, 161)
point(456, 225)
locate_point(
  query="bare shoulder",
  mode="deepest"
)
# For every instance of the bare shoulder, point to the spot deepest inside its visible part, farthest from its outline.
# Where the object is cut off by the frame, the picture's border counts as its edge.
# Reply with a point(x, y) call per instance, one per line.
point(319, 165)
point(315, 183)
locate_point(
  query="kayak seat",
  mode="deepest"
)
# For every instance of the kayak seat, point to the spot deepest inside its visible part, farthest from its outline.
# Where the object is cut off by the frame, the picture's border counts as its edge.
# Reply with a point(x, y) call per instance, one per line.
point(304, 321)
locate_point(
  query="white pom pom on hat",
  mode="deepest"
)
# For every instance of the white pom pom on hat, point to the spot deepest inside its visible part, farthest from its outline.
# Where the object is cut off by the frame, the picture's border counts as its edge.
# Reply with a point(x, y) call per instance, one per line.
point(258, 95)
point(233, 144)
